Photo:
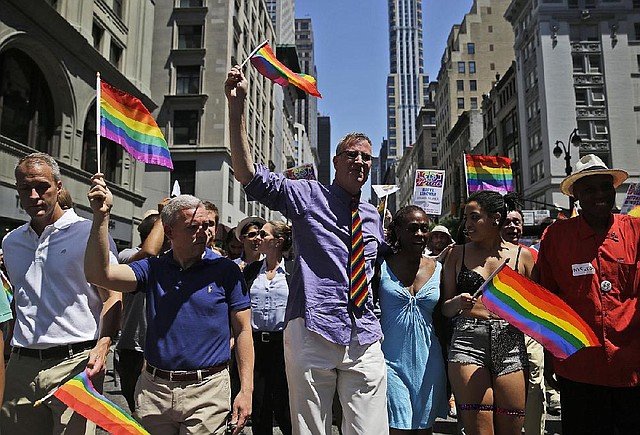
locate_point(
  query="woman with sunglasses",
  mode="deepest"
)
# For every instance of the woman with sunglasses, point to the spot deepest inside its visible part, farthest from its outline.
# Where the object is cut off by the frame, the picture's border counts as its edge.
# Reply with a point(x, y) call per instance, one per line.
point(487, 357)
point(409, 291)
point(267, 280)
point(247, 233)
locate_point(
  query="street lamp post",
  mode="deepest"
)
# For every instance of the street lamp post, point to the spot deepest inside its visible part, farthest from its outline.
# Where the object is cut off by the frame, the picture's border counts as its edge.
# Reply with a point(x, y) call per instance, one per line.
point(575, 140)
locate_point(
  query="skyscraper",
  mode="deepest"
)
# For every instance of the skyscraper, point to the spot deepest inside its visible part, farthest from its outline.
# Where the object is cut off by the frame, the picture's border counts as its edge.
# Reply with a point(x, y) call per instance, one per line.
point(406, 82)
point(307, 107)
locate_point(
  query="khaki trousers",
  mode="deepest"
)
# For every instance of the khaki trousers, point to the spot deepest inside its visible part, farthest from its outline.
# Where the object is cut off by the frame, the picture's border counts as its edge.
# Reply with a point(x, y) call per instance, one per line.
point(317, 367)
point(534, 419)
point(166, 407)
point(29, 379)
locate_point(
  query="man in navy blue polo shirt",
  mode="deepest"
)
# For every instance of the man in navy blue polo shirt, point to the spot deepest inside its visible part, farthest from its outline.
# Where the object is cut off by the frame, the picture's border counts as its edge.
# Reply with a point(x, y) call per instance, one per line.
point(195, 298)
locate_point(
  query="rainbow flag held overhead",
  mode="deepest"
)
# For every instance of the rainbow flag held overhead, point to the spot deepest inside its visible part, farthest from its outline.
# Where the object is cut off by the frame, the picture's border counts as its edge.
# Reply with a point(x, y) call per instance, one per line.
point(125, 120)
point(269, 66)
point(8, 288)
point(488, 173)
point(80, 395)
point(537, 312)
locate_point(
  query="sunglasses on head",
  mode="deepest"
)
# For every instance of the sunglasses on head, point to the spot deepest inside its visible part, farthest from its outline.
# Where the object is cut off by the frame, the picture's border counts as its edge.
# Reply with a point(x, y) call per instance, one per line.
point(352, 155)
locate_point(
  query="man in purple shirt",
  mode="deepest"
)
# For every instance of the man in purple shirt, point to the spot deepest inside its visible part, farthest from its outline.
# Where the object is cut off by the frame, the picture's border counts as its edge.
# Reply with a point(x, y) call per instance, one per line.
point(329, 343)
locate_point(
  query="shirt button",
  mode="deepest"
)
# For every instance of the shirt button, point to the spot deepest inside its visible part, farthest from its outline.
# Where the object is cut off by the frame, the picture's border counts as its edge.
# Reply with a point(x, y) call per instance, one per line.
point(605, 286)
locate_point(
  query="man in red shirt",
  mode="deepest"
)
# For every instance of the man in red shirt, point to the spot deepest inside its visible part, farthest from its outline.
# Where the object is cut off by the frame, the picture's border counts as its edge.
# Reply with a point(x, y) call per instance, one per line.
point(591, 262)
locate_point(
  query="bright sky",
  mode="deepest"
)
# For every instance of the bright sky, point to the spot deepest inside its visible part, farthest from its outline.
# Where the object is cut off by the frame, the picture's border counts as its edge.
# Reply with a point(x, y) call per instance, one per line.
point(352, 57)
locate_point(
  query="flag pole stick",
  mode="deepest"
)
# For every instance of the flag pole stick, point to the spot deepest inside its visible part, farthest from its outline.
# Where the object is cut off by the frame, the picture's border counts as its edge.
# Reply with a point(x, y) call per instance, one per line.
point(266, 41)
point(495, 272)
point(45, 398)
point(98, 118)
point(386, 201)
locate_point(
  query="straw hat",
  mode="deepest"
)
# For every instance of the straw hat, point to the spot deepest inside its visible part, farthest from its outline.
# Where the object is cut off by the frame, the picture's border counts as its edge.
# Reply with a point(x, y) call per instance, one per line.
point(441, 229)
point(591, 165)
point(243, 223)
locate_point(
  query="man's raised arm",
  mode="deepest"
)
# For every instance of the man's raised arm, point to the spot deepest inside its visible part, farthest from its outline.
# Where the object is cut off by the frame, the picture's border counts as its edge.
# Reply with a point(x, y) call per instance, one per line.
point(97, 267)
point(235, 88)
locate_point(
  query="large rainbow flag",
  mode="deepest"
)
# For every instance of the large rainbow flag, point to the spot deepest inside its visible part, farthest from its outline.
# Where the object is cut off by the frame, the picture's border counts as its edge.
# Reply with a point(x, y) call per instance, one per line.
point(537, 312)
point(80, 395)
point(269, 66)
point(125, 120)
point(488, 173)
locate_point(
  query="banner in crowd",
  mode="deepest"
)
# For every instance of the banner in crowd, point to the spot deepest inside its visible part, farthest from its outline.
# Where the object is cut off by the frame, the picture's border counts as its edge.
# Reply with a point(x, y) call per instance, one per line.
point(267, 64)
point(536, 312)
point(631, 204)
point(383, 190)
point(488, 173)
point(427, 191)
point(304, 172)
point(125, 120)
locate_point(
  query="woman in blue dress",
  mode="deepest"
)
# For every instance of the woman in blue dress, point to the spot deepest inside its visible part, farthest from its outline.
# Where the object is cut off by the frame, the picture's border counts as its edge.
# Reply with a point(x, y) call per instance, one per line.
point(408, 292)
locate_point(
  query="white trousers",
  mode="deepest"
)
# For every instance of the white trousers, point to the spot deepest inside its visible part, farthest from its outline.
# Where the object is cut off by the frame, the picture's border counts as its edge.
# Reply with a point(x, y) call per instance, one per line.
point(316, 367)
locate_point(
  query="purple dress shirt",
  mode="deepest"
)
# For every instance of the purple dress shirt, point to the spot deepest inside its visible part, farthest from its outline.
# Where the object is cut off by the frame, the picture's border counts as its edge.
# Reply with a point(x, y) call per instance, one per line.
point(319, 289)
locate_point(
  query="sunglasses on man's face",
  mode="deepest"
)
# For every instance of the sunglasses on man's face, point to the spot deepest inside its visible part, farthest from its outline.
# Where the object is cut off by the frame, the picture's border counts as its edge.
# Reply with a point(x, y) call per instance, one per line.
point(263, 234)
point(251, 235)
point(352, 155)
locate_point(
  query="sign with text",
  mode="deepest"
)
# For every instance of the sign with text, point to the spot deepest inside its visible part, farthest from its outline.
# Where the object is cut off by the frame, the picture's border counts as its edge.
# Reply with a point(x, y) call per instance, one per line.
point(304, 172)
point(427, 191)
point(631, 202)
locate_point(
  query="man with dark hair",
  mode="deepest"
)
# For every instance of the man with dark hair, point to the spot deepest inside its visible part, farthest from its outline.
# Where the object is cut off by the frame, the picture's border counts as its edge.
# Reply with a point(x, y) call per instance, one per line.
point(195, 298)
point(130, 347)
point(591, 261)
point(63, 323)
point(332, 336)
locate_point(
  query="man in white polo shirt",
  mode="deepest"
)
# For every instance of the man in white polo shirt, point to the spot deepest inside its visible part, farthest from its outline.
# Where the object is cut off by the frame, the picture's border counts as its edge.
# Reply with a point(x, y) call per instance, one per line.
point(63, 324)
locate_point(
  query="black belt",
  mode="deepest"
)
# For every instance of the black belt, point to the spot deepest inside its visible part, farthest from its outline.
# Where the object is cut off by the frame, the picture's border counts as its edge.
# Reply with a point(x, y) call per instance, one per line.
point(56, 352)
point(266, 336)
point(185, 375)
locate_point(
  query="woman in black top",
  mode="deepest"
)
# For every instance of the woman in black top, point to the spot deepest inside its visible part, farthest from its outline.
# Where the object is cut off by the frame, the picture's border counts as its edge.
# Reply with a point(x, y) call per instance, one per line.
point(488, 358)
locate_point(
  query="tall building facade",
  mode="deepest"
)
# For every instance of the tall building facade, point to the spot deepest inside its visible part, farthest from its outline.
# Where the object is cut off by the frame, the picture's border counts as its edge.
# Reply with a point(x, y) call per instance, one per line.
point(406, 82)
point(307, 107)
point(324, 149)
point(50, 52)
point(196, 43)
point(478, 48)
point(578, 66)
point(282, 14)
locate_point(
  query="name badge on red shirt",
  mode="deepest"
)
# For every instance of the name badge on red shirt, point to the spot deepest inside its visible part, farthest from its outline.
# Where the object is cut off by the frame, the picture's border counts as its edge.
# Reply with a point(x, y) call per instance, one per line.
point(583, 269)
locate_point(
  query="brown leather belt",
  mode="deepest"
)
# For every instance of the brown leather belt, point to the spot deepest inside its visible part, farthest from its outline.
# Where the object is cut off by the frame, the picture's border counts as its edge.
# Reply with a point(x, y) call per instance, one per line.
point(56, 352)
point(185, 375)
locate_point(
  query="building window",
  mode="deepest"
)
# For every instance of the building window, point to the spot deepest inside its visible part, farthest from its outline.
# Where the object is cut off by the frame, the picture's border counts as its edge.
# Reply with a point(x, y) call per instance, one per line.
point(472, 67)
point(473, 85)
point(26, 106)
point(97, 33)
point(460, 85)
point(460, 103)
point(243, 201)
point(185, 127)
point(115, 54)
point(492, 66)
point(189, 36)
point(110, 152)
point(537, 172)
point(474, 102)
point(184, 171)
point(490, 29)
point(461, 67)
point(231, 182)
point(190, 3)
point(188, 80)
point(117, 7)
point(471, 48)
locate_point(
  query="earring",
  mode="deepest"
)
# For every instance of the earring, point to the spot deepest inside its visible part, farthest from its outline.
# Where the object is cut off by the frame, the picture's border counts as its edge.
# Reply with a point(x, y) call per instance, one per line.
point(495, 223)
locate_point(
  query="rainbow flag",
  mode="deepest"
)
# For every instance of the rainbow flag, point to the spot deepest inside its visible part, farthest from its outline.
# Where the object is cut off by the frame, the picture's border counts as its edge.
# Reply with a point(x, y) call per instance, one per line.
point(8, 288)
point(80, 395)
point(537, 312)
point(125, 120)
point(269, 66)
point(488, 173)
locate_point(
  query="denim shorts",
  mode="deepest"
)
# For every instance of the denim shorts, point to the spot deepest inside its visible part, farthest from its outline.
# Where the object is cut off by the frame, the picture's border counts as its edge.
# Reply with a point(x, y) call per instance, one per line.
point(492, 344)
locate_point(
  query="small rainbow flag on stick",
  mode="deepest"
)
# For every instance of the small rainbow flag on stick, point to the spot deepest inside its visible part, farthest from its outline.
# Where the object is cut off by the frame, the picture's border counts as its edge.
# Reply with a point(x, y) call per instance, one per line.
point(125, 120)
point(269, 66)
point(537, 312)
point(6, 285)
point(488, 173)
point(80, 395)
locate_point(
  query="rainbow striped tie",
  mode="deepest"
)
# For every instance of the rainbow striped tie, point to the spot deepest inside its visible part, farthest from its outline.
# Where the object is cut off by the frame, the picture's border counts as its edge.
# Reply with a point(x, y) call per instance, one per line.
point(357, 276)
